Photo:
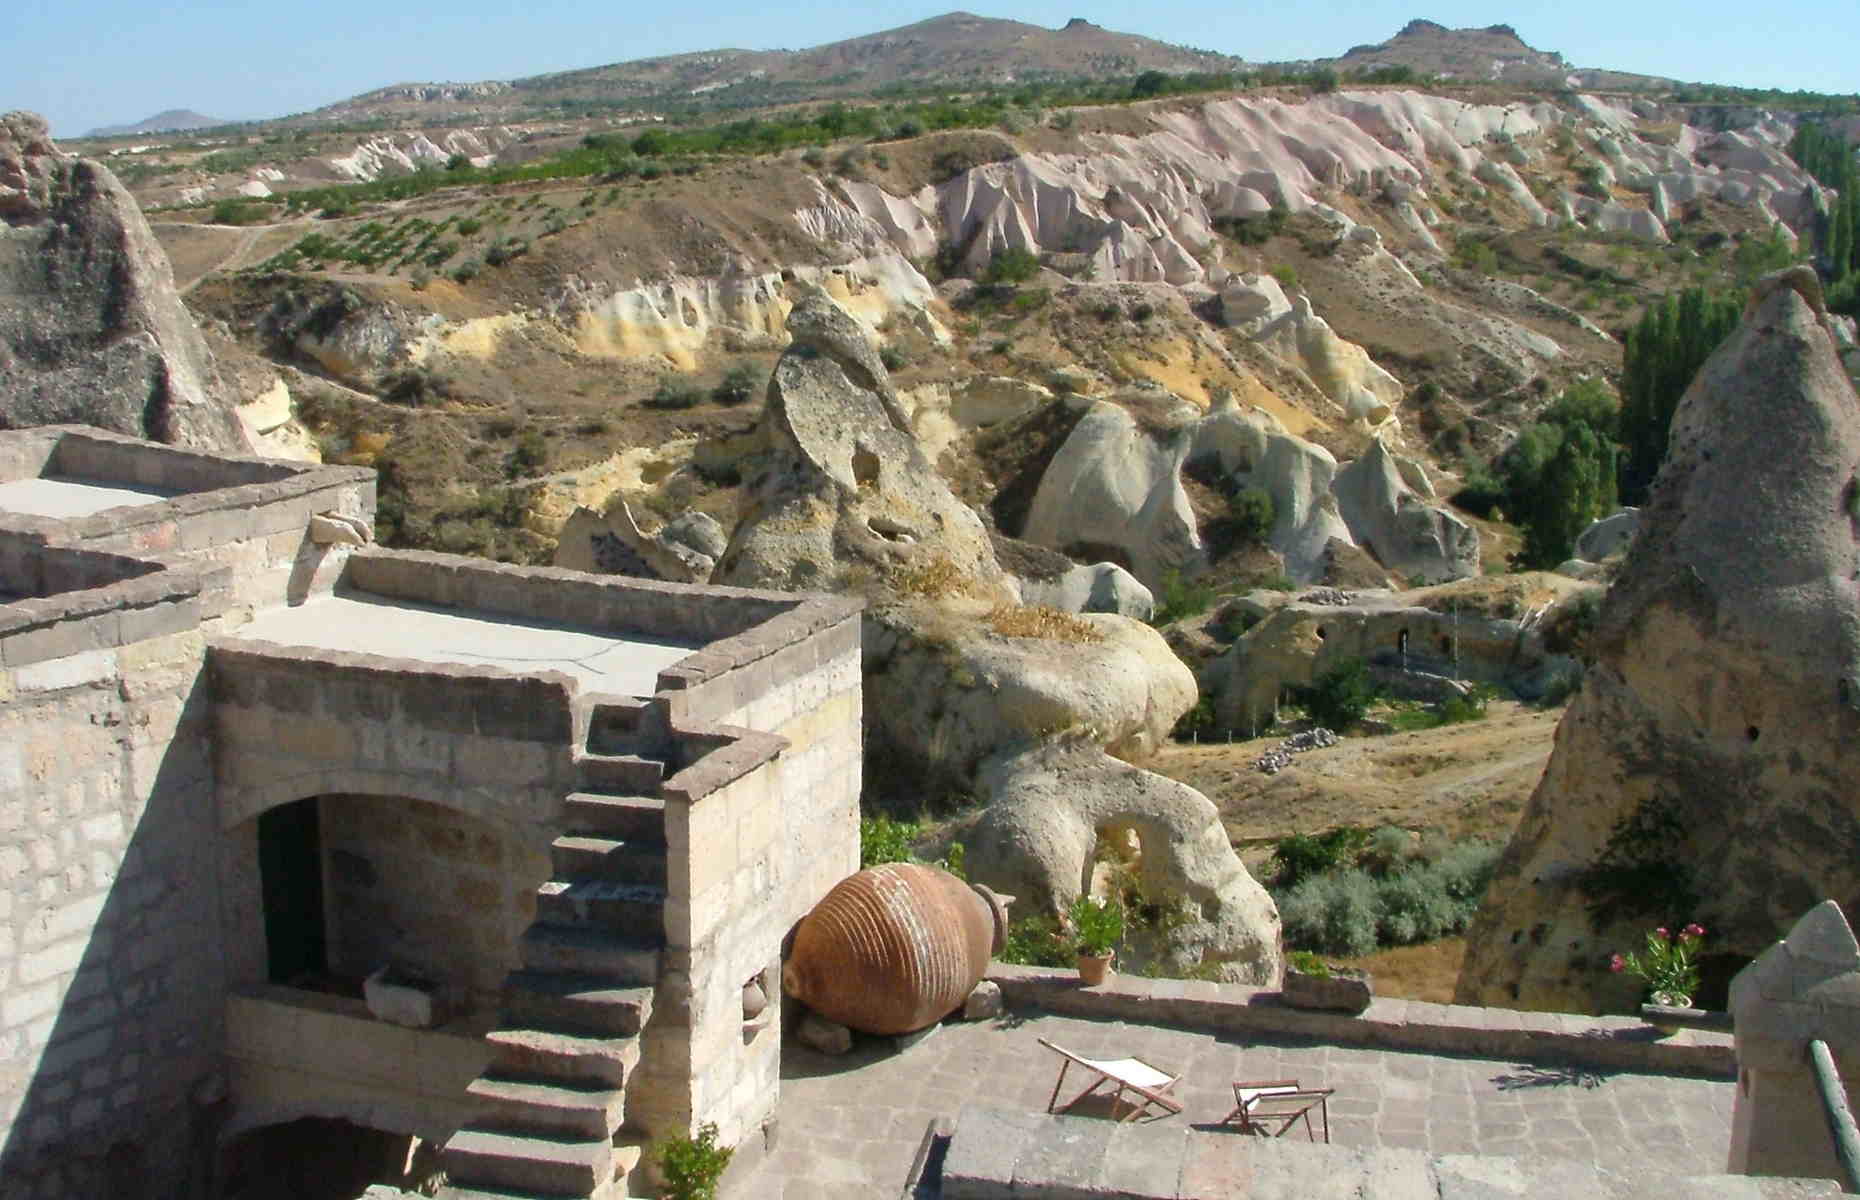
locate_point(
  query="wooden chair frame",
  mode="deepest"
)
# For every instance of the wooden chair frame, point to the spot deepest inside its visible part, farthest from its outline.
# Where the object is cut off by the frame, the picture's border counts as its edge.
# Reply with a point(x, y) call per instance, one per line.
point(1125, 1074)
point(1259, 1105)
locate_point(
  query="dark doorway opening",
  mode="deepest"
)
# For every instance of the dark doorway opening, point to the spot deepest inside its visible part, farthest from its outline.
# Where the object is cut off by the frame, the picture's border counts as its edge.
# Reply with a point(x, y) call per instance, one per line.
point(290, 864)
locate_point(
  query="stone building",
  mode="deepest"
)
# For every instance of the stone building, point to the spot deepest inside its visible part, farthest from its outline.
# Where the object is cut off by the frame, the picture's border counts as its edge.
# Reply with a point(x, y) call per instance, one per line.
point(293, 826)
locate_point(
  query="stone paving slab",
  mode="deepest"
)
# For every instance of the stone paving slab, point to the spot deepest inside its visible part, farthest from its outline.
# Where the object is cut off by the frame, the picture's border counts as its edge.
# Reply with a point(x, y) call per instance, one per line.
point(1065, 1158)
point(851, 1126)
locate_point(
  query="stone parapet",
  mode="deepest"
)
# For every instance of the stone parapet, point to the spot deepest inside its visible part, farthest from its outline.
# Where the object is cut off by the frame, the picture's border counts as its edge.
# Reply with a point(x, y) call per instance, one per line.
point(1389, 1023)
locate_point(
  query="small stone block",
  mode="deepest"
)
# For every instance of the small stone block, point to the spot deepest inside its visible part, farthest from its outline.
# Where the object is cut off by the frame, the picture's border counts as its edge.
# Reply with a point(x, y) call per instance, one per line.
point(823, 1036)
point(984, 1003)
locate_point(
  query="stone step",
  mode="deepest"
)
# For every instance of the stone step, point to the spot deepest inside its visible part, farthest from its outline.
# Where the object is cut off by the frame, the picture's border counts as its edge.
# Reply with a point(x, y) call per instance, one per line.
point(592, 1003)
point(634, 909)
point(627, 1157)
point(621, 774)
point(545, 1166)
point(603, 815)
point(577, 856)
point(571, 1057)
point(617, 726)
point(551, 1109)
point(587, 951)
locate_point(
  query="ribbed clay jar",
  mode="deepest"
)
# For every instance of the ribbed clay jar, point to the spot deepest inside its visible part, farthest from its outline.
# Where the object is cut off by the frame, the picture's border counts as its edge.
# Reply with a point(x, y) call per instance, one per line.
point(894, 948)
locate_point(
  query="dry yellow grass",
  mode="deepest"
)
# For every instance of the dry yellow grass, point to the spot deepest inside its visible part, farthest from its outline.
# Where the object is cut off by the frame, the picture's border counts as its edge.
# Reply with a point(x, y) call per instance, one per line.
point(1041, 621)
point(1424, 972)
point(933, 580)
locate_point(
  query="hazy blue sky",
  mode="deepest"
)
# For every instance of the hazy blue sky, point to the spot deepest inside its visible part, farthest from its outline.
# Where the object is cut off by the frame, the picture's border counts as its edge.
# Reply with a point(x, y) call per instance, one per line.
point(85, 63)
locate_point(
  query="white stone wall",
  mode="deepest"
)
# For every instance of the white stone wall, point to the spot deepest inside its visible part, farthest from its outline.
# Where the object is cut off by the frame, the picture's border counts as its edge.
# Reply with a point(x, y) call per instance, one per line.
point(110, 976)
point(748, 861)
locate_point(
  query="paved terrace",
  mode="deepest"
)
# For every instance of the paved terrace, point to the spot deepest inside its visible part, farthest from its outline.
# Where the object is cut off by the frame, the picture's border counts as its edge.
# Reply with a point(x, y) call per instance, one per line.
point(851, 1126)
point(363, 624)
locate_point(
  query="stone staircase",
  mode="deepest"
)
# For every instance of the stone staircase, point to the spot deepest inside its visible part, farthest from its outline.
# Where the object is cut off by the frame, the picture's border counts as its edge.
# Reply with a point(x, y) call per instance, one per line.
point(551, 1106)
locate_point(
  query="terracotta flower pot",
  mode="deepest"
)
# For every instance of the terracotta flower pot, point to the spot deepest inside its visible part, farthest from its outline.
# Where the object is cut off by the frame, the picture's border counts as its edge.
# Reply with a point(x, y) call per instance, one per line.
point(1094, 967)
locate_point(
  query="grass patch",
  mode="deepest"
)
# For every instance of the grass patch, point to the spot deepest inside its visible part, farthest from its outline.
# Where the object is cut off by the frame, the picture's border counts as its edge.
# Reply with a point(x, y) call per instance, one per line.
point(1041, 621)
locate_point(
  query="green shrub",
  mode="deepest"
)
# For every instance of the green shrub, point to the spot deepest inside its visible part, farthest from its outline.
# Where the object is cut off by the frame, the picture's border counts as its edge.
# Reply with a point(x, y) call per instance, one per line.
point(893, 357)
point(1340, 696)
point(1301, 855)
point(693, 1165)
point(1011, 266)
point(1287, 276)
point(1180, 597)
point(1306, 963)
point(883, 840)
point(738, 385)
point(469, 225)
point(419, 278)
point(1252, 511)
point(675, 394)
point(1352, 911)
point(506, 249)
point(1037, 941)
point(1333, 912)
point(237, 212)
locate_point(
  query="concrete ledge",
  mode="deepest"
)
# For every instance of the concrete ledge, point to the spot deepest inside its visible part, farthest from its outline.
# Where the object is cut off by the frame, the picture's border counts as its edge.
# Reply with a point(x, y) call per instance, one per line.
point(1616, 1043)
point(611, 603)
point(722, 755)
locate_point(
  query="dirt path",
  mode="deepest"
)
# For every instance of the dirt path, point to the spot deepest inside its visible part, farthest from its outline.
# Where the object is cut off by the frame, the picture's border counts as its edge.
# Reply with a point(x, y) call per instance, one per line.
point(1467, 780)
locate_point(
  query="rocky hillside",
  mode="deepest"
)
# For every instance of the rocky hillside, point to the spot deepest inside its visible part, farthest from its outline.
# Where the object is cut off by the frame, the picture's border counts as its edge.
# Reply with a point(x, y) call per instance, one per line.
point(1494, 53)
point(956, 49)
point(1336, 296)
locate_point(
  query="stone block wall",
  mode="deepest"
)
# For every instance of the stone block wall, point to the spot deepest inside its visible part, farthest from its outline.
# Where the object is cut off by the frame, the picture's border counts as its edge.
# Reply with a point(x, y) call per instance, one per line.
point(294, 1054)
point(490, 753)
point(757, 831)
point(110, 976)
point(428, 888)
point(241, 523)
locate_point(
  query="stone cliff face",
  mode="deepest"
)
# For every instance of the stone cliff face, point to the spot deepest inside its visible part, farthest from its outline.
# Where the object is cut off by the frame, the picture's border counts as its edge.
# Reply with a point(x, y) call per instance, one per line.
point(91, 328)
point(1706, 769)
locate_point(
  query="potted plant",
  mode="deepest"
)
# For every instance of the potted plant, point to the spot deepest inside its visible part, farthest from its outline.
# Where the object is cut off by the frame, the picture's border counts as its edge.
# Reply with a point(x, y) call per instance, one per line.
point(1668, 969)
point(1310, 982)
point(1099, 925)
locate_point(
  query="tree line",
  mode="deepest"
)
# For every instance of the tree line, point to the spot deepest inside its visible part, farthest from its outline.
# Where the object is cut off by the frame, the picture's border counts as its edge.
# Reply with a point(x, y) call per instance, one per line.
point(1827, 157)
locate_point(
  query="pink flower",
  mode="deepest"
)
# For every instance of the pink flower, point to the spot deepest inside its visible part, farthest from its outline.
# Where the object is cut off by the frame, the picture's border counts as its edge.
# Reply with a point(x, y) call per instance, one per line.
point(1693, 931)
point(1617, 964)
point(1662, 934)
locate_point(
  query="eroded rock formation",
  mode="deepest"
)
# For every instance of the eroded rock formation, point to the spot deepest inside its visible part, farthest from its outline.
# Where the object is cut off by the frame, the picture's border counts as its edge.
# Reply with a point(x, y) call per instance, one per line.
point(1711, 747)
point(845, 485)
point(91, 328)
point(1049, 806)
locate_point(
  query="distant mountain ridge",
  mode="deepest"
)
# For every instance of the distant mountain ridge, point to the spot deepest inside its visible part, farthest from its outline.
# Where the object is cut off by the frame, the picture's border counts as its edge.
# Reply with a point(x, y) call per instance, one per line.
point(956, 48)
point(1493, 53)
point(174, 120)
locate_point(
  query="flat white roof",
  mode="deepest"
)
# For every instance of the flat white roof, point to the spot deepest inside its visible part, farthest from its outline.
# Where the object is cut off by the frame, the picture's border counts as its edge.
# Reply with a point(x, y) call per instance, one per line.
point(64, 498)
point(364, 624)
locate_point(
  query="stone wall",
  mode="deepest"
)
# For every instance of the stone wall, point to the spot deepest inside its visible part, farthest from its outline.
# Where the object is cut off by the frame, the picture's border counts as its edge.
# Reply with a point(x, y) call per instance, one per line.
point(248, 540)
point(757, 833)
point(110, 976)
point(294, 1054)
point(410, 883)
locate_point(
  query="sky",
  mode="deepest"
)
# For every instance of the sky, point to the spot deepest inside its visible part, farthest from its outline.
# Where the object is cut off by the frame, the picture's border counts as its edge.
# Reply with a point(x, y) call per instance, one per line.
point(85, 63)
